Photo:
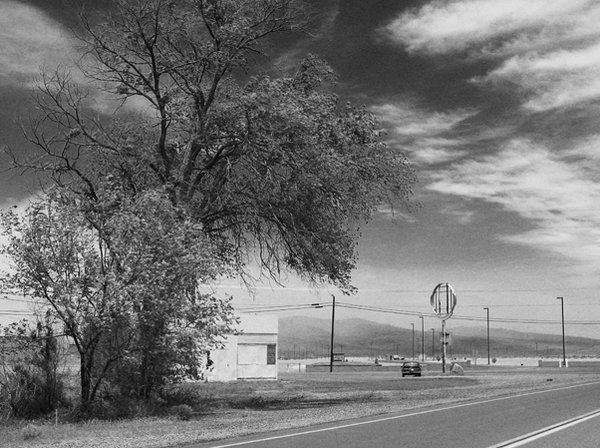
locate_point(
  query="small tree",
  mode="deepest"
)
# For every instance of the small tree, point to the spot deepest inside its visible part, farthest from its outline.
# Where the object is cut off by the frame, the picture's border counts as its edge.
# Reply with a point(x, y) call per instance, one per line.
point(124, 282)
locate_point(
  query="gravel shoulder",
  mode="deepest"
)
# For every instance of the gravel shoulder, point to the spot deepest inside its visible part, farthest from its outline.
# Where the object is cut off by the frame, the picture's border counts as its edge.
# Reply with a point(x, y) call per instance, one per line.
point(295, 401)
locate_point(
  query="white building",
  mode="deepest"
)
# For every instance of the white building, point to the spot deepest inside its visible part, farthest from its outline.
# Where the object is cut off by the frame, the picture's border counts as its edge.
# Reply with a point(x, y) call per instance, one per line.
point(252, 354)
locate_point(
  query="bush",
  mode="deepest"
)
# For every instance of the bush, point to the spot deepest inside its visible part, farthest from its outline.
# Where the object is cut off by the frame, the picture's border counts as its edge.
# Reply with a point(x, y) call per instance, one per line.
point(189, 394)
point(31, 432)
point(26, 394)
point(182, 411)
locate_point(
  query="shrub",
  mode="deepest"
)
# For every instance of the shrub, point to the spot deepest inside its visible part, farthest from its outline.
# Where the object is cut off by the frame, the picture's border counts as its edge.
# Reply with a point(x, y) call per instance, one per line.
point(31, 432)
point(27, 394)
point(190, 394)
point(182, 411)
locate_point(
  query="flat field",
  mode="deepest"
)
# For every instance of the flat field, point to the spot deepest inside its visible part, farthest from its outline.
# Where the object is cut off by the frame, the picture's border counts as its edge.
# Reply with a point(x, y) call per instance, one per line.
point(296, 400)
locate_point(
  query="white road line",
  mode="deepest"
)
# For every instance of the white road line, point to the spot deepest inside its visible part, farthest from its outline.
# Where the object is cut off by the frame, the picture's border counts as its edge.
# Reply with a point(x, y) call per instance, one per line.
point(540, 433)
point(397, 417)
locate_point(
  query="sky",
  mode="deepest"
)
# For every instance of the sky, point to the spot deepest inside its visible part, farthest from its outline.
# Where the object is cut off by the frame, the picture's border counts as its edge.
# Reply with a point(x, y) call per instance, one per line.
point(495, 103)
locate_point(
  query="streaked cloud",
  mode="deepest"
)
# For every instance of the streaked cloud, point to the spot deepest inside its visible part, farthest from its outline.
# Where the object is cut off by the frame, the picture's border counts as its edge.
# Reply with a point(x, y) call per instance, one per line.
point(30, 40)
point(555, 80)
point(556, 195)
point(550, 51)
point(421, 133)
point(409, 119)
point(491, 26)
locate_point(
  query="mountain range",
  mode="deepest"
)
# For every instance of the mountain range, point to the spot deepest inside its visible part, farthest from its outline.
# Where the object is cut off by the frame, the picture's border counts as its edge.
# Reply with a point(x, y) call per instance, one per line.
point(306, 337)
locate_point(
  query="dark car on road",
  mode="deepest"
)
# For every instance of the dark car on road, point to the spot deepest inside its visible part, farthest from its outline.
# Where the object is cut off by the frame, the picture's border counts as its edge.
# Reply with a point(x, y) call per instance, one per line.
point(411, 368)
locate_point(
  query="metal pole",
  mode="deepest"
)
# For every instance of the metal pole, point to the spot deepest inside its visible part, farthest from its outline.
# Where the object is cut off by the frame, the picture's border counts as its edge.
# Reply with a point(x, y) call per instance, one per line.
point(487, 310)
point(422, 338)
point(433, 343)
point(443, 345)
point(413, 341)
point(332, 330)
point(562, 310)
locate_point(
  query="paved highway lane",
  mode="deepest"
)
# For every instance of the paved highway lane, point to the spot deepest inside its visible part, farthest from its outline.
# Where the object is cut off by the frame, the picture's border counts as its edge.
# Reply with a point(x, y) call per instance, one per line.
point(481, 424)
point(583, 432)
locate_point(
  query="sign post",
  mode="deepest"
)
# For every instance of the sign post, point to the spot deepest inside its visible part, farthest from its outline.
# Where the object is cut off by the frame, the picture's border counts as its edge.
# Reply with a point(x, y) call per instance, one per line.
point(443, 301)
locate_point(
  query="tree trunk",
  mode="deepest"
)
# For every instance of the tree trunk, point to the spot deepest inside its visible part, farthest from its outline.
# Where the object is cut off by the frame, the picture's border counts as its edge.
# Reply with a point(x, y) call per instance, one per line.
point(86, 382)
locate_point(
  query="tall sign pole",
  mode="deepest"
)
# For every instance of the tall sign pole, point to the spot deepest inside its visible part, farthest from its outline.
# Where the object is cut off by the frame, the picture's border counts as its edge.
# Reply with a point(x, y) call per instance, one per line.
point(443, 301)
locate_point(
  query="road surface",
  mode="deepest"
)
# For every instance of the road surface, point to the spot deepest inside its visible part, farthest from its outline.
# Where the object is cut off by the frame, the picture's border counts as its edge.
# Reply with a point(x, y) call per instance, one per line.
point(546, 419)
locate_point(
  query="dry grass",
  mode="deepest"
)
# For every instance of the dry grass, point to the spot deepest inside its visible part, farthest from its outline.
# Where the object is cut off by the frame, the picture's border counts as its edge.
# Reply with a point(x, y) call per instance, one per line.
point(294, 401)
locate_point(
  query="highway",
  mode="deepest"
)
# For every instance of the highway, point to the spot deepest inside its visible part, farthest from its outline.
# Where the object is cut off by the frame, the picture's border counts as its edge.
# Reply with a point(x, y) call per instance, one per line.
point(554, 418)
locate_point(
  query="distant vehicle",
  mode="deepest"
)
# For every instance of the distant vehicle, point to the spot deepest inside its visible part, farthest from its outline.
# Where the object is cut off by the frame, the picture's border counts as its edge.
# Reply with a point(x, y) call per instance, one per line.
point(397, 357)
point(411, 368)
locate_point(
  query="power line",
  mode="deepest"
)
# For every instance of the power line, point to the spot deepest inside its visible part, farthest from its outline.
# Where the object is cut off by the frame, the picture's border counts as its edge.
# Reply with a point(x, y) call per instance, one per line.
point(13, 299)
point(276, 308)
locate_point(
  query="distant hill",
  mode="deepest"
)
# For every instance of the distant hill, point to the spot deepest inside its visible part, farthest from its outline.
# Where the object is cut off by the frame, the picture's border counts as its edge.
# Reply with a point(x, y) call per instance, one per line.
point(301, 336)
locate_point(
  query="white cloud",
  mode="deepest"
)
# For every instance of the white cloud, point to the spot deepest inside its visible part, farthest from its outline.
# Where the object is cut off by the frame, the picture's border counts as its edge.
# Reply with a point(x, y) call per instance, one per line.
point(422, 133)
point(30, 40)
point(432, 155)
point(556, 194)
point(411, 120)
point(557, 79)
point(449, 26)
point(460, 214)
point(550, 49)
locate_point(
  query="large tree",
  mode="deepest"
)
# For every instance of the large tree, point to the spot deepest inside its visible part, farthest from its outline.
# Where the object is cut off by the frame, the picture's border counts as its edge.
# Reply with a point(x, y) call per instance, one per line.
point(274, 167)
point(205, 150)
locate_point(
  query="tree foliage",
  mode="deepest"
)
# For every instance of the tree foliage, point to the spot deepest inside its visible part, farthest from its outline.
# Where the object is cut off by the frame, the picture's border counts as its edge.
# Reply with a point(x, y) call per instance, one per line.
point(277, 168)
point(124, 283)
point(206, 166)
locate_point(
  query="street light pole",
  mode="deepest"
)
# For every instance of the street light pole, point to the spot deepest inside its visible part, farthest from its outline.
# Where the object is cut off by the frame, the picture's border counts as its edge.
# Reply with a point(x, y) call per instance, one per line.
point(562, 310)
point(413, 340)
point(487, 310)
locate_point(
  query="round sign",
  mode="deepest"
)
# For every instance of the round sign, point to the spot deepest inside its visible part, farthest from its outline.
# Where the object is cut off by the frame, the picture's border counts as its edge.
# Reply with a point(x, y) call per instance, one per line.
point(443, 300)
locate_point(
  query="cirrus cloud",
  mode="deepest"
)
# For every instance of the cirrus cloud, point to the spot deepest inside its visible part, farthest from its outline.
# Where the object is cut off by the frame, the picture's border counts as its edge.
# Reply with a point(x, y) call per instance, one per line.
point(30, 40)
point(490, 26)
point(556, 194)
point(422, 133)
point(549, 50)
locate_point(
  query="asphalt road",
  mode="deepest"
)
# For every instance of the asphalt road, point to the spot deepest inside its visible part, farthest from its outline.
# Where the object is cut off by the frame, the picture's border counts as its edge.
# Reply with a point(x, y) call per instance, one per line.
point(500, 422)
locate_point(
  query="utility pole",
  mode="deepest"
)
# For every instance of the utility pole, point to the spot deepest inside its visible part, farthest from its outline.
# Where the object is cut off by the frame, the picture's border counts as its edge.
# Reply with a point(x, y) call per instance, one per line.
point(422, 338)
point(332, 331)
point(413, 340)
point(562, 310)
point(488, 332)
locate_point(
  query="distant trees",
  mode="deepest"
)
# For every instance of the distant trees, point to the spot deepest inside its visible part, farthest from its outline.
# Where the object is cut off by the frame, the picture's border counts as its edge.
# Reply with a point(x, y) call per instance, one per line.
point(201, 172)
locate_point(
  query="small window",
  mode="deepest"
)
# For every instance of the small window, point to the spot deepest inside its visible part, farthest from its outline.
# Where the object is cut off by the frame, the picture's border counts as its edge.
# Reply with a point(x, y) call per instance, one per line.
point(271, 354)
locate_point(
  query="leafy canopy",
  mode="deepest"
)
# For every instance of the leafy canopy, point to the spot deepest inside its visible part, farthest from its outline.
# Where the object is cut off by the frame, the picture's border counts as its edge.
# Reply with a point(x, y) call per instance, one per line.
point(276, 169)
